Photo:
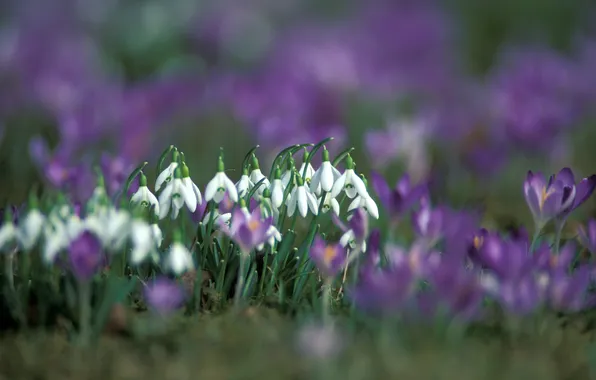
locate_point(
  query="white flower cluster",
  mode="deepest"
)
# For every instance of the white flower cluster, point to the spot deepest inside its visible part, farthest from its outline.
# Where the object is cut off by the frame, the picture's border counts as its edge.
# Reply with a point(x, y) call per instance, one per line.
point(301, 191)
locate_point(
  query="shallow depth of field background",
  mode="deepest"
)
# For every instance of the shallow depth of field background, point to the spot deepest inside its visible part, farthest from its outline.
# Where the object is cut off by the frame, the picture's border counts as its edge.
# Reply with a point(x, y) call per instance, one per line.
point(470, 94)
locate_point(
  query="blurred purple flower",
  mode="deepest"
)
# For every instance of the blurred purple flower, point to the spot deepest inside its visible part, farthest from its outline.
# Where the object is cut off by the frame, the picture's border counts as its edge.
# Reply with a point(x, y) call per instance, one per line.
point(86, 256)
point(536, 96)
point(407, 139)
point(402, 198)
point(329, 258)
point(519, 296)
point(383, 290)
point(115, 170)
point(248, 231)
point(508, 259)
point(164, 295)
point(568, 292)
point(587, 236)
point(458, 289)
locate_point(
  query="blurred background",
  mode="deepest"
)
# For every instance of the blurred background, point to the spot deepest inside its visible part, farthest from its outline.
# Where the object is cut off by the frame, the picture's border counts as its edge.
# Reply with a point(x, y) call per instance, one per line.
point(467, 93)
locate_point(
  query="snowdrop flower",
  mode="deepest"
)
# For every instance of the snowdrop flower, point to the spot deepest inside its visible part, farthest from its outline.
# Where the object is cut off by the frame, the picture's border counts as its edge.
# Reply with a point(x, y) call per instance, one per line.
point(290, 171)
point(175, 196)
point(31, 228)
point(325, 176)
point(219, 185)
point(57, 235)
point(348, 239)
point(329, 204)
point(157, 234)
point(256, 175)
point(217, 218)
point(244, 185)
point(277, 189)
point(197, 199)
point(143, 241)
point(166, 175)
point(349, 182)
point(273, 237)
point(111, 226)
point(143, 196)
point(302, 199)
point(306, 170)
point(179, 259)
point(365, 202)
point(266, 205)
point(8, 233)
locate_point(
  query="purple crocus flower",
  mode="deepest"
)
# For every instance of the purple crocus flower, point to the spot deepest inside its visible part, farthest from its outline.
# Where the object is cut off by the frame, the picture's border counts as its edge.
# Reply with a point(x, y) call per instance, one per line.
point(248, 231)
point(580, 192)
point(86, 255)
point(357, 226)
point(402, 198)
point(457, 288)
point(519, 296)
point(329, 258)
point(428, 222)
point(535, 96)
point(115, 172)
point(164, 295)
point(383, 290)
point(567, 292)
point(547, 199)
point(587, 236)
point(508, 259)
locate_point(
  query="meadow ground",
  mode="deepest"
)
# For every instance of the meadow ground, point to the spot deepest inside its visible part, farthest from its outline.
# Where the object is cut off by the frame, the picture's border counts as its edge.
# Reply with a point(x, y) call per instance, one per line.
point(259, 343)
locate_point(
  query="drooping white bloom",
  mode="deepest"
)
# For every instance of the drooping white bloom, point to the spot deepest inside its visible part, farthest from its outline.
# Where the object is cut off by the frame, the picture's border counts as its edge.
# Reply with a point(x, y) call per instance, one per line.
point(175, 196)
point(197, 198)
point(302, 199)
point(144, 197)
point(165, 176)
point(30, 229)
point(58, 233)
point(179, 259)
point(244, 185)
point(277, 189)
point(273, 236)
point(143, 241)
point(349, 182)
point(157, 234)
point(348, 240)
point(267, 208)
point(219, 185)
point(8, 235)
point(366, 203)
point(325, 176)
point(329, 204)
point(218, 218)
point(308, 174)
point(111, 226)
point(256, 175)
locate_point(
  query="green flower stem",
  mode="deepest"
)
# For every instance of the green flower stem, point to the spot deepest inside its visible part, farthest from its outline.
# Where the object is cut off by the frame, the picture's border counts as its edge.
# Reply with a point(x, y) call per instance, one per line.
point(9, 269)
point(326, 300)
point(85, 313)
point(240, 281)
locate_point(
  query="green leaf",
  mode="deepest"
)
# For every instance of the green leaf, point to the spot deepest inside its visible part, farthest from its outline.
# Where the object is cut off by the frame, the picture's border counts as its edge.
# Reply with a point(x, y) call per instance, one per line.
point(116, 290)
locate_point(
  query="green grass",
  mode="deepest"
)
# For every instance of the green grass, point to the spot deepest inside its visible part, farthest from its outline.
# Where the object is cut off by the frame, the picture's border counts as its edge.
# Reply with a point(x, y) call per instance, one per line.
point(260, 343)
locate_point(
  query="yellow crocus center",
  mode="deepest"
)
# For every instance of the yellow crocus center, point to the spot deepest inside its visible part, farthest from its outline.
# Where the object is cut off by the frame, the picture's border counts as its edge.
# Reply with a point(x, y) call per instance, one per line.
point(328, 255)
point(253, 225)
point(478, 241)
point(544, 196)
